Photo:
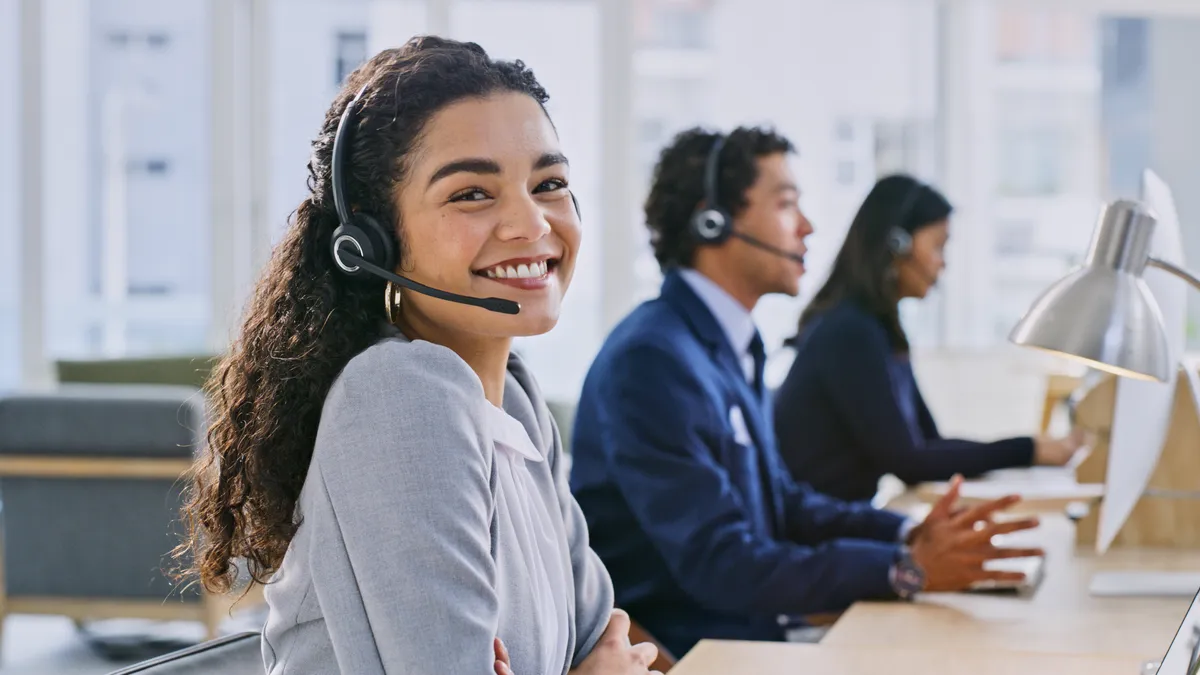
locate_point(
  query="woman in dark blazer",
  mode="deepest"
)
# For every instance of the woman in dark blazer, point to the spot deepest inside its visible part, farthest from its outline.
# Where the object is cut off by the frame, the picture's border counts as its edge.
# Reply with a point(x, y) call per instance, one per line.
point(850, 410)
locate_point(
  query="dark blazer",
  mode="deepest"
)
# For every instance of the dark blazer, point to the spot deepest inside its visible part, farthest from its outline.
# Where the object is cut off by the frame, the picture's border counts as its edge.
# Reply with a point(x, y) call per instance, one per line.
point(686, 499)
point(850, 412)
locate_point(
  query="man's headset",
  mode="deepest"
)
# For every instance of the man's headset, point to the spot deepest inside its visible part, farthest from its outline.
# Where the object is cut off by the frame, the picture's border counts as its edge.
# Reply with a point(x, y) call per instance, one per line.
point(714, 224)
point(361, 245)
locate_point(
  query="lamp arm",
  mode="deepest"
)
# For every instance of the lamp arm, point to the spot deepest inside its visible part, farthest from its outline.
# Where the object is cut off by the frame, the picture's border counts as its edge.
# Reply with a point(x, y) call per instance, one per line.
point(1176, 270)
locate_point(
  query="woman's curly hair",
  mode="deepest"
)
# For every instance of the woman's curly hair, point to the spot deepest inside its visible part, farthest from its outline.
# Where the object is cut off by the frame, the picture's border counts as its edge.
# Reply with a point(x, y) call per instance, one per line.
point(306, 320)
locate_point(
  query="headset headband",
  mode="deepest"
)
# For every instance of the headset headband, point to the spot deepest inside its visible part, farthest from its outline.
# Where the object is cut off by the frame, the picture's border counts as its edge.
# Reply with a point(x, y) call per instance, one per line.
point(340, 140)
point(711, 166)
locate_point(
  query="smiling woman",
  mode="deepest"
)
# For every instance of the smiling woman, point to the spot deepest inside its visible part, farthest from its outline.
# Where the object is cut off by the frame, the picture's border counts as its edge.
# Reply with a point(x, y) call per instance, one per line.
point(390, 467)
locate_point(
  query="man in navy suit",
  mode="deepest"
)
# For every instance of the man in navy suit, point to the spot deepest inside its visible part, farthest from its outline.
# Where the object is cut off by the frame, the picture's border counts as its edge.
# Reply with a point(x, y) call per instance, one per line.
point(675, 466)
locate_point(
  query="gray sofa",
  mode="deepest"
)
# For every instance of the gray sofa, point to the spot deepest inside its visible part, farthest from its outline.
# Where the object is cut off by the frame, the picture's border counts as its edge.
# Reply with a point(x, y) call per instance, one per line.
point(91, 482)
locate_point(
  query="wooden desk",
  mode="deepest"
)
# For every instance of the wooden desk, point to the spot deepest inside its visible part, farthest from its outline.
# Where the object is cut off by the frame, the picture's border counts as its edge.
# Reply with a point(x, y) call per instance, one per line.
point(770, 658)
point(1059, 628)
point(1060, 617)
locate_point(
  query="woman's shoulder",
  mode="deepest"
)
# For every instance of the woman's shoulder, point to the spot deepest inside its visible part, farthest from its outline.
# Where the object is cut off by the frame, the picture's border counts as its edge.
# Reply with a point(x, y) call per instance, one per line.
point(396, 394)
point(843, 323)
point(400, 365)
point(396, 378)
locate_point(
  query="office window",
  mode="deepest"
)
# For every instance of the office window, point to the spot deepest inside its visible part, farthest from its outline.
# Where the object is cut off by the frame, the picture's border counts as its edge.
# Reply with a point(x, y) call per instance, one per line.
point(1077, 118)
point(1015, 238)
point(1045, 36)
point(906, 146)
point(844, 131)
point(673, 24)
point(1048, 142)
point(846, 172)
point(1031, 161)
point(664, 105)
point(350, 52)
point(128, 209)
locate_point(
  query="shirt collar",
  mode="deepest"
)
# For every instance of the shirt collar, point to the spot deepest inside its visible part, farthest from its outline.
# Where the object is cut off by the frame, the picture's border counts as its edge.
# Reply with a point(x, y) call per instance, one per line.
point(735, 320)
point(509, 433)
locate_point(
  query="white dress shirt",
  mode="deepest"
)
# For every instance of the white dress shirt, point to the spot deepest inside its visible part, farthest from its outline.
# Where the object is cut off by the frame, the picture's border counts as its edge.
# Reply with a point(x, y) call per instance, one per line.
point(735, 320)
point(544, 559)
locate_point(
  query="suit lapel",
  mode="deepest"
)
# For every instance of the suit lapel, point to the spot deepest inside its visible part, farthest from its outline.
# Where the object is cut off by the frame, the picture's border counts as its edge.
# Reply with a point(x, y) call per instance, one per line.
point(754, 413)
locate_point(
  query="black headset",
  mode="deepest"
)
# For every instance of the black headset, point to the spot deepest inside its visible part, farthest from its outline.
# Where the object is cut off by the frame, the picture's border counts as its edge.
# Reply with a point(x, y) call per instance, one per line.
point(362, 246)
point(357, 232)
point(713, 225)
point(899, 239)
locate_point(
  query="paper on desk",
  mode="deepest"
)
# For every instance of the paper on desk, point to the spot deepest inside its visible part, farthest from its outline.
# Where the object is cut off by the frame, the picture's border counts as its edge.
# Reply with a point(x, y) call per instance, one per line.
point(1145, 584)
point(1040, 488)
point(1142, 412)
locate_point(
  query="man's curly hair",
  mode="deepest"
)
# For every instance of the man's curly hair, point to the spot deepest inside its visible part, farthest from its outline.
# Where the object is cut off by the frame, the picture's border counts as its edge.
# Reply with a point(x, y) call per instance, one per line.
point(678, 187)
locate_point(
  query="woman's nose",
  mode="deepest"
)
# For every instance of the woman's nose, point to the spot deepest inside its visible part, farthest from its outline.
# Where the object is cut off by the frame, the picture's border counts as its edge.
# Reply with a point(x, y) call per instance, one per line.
point(526, 219)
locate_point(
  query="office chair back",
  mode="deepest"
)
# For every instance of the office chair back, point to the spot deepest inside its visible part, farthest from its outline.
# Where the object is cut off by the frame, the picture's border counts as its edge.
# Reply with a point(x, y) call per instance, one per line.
point(239, 654)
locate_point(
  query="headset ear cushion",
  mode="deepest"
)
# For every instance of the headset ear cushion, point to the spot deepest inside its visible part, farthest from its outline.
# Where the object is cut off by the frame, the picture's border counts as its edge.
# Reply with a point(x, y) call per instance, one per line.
point(383, 243)
point(900, 242)
point(711, 226)
point(365, 234)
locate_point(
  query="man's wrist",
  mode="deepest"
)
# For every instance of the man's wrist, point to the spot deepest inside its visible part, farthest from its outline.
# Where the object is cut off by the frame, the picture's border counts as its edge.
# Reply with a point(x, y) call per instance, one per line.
point(905, 575)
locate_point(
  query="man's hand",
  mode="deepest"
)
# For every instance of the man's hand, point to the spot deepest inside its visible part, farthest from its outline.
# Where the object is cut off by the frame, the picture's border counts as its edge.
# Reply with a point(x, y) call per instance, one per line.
point(953, 543)
point(614, 655)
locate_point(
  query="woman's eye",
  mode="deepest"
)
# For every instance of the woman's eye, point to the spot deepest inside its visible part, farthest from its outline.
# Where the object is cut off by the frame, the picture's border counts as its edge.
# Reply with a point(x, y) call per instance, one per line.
point(471, 195)
point(551, 185)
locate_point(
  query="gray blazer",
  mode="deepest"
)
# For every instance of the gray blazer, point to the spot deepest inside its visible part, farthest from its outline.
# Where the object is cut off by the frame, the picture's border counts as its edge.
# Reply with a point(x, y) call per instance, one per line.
point(399, 564)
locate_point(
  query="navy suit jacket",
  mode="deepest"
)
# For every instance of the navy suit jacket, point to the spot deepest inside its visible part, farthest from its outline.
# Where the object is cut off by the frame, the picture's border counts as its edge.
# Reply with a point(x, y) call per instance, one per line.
point(687, 501)
point(850, 412)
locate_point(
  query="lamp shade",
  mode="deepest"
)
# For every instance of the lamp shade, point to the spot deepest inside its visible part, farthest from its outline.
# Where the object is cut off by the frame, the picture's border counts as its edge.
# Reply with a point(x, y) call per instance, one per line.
point(1103, 313)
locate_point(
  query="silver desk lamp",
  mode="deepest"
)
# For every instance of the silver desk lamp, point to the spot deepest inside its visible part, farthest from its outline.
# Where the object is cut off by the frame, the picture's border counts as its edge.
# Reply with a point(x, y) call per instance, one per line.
point(1104, 315)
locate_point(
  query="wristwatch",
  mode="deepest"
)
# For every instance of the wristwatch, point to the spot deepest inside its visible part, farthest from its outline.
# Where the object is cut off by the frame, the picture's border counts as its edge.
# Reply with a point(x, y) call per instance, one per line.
point(906, 576)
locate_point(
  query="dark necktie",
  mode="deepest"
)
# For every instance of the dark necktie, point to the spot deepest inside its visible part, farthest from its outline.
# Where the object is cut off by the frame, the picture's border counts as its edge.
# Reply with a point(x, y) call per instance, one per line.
point(760, 361)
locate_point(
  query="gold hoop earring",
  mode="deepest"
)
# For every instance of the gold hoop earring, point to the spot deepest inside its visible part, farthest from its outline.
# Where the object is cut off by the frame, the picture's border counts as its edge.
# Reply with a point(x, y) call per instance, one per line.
point(391, 301)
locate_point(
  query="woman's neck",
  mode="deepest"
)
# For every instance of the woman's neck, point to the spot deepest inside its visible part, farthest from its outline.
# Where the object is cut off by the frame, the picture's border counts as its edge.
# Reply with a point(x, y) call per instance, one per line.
point(487, 356)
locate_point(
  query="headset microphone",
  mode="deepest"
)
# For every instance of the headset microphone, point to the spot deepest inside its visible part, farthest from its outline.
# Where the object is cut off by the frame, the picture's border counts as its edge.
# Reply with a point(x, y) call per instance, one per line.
point(762, 245)
point(499, 305)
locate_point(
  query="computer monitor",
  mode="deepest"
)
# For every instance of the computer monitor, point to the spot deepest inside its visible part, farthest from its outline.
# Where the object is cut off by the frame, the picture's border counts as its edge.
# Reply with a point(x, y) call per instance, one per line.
point(1183, 656)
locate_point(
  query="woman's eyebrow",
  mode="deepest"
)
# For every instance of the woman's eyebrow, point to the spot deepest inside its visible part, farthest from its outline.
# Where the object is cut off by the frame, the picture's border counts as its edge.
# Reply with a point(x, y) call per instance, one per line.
point(481, 165)
point(466, 165)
